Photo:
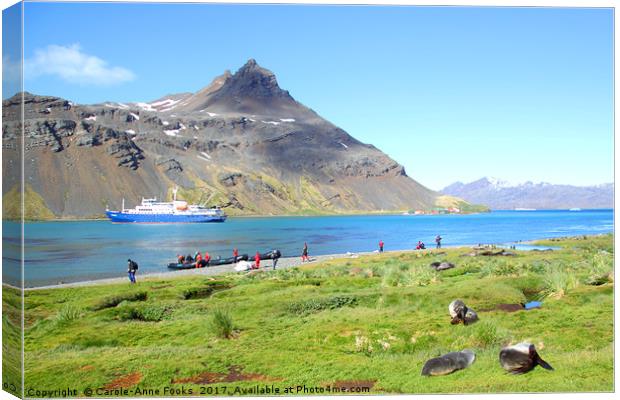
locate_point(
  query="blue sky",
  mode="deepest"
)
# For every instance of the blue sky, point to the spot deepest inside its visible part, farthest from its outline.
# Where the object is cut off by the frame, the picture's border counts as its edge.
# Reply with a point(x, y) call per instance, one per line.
point(451, 93)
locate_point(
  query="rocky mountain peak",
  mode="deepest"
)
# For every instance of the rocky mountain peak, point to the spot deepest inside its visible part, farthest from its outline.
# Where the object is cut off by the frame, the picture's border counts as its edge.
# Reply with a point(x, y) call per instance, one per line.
point(251, 63)
point(252, 89)
point(252, 67)
point(252, 80)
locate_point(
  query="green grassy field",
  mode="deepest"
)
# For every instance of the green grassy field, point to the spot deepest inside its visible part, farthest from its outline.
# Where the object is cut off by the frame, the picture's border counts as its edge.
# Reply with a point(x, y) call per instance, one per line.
point(369, 322)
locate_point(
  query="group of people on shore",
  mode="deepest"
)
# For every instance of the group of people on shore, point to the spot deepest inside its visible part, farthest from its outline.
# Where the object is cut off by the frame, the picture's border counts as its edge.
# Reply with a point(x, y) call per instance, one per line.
point(422, 246)
point(202, 261)
point(419, 246)
point(199, 260)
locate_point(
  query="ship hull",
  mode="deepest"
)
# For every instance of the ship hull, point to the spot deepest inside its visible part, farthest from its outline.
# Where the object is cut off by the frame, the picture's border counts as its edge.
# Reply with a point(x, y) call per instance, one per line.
point(120, 217)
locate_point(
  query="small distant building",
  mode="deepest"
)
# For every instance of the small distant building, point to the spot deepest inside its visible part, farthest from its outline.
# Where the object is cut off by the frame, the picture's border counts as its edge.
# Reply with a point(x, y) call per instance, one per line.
point(454, 210)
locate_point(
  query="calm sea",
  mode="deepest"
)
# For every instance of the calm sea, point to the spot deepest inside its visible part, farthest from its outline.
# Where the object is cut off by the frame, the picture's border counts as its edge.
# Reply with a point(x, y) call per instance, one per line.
point(77, 251)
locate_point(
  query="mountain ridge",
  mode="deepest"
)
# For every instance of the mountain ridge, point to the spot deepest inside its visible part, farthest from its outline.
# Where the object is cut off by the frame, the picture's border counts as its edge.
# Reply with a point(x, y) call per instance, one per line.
point(241, 142)
point(500, 194)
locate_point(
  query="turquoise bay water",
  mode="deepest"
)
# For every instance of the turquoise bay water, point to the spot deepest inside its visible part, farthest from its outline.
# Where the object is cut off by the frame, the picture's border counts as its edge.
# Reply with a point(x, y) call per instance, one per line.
point(77, 251)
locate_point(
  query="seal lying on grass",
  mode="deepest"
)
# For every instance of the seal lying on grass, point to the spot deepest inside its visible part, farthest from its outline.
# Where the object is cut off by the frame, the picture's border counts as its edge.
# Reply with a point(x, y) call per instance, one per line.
point(461, 313)
point(521, 358)
point(448, 363)
point(440, 266)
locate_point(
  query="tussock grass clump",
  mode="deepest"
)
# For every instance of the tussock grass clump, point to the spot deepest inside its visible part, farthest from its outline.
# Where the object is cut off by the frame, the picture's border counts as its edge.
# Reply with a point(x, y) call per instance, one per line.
point(419, 343)
point(422, 275)
point(149, 313)
point(599, 269)
point(501, 268)
point(67, 314)
point(487, 269)
point(557, 282)
point(393, 277)
point(414, 275)
point(487, 334)
point(221, 323)
point(363, 345)
point(316, 305)
point(504, 268)
point(537, 267)
point(113, 301)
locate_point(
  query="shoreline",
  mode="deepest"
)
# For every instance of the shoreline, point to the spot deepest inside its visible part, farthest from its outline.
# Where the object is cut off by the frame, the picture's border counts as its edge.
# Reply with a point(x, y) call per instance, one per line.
point(347, 214)
point(369, 214)
point(267, 265)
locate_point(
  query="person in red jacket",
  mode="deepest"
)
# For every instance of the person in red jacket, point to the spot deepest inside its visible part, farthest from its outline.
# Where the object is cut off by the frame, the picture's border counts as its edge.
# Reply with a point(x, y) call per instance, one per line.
point(380, 246)
point(206, 259)
point(257, 260)
point(235, 254)
point(198, 258)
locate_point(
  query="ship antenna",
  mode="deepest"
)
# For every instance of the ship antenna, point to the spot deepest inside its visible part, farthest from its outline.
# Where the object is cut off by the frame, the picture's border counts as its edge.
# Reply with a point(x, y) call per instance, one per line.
point(123, 204)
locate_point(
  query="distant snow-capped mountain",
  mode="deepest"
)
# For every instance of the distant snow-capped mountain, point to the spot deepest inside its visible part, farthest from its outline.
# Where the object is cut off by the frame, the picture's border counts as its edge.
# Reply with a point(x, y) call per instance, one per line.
point(500, 194)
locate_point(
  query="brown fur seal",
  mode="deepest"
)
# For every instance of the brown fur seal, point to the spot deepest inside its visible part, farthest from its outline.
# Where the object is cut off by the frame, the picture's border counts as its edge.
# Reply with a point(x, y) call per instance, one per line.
point(461, 313)
point(521, 358)
point(440, 266)
point(448, 363)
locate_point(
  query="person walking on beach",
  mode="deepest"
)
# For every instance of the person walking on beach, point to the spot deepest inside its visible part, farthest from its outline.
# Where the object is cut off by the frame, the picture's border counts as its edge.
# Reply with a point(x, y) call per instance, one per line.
point(380, 246)
point(276, 257)
point(438, 241)
point(304, 253)
point(257, 260)
point(132, 268)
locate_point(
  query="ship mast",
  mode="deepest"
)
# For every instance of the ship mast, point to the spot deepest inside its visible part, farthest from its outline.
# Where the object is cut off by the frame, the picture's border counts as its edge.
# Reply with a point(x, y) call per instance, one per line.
point(174, 194)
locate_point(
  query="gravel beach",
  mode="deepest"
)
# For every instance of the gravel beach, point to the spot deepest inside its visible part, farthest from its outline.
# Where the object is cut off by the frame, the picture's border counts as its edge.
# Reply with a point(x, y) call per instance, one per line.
point(283, 263)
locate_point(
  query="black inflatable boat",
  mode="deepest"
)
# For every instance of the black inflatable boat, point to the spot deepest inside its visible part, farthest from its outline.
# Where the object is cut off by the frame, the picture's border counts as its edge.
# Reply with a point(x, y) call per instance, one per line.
point(212, 262)
point(271, 255)
point(230, 260)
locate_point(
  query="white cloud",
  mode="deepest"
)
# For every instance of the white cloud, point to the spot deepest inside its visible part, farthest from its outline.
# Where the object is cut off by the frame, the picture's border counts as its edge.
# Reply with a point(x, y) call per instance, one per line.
point(11, 70)
point(11, 76)
point(73, 66)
